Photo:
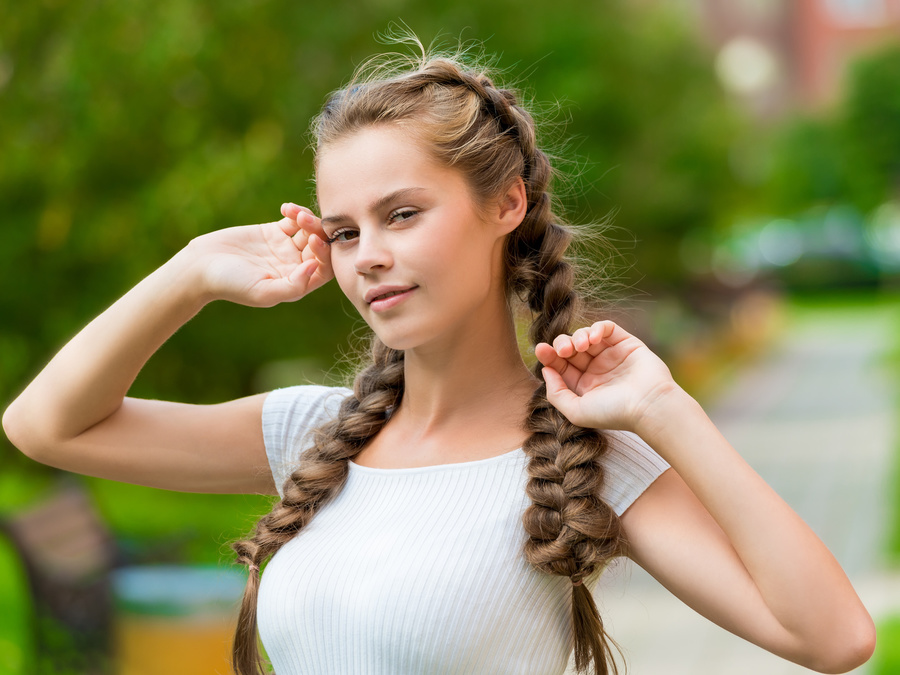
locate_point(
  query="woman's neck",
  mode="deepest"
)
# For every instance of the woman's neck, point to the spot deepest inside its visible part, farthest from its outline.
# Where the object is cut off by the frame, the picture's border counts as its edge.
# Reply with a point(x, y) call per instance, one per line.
point(464, 400)
point(480, 377)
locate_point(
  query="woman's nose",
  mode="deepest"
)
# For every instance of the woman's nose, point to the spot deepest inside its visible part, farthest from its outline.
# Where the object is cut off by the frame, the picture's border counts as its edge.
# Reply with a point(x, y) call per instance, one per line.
point(372, 253)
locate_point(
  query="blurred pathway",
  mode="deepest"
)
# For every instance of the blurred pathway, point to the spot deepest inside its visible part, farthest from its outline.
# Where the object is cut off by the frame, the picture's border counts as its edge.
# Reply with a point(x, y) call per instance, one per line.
point(815, 419)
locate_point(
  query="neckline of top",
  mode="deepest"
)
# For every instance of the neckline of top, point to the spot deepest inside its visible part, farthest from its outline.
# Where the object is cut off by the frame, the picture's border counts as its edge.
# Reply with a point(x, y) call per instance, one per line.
point(475, 463)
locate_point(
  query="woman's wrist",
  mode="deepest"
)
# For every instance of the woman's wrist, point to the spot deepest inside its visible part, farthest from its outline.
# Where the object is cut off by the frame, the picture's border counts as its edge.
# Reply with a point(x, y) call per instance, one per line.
point(183, 281)
point(668, 412)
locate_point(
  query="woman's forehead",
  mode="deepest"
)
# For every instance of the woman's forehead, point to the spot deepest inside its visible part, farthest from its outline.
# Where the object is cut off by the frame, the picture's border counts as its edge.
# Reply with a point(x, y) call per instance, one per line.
point(375, 162)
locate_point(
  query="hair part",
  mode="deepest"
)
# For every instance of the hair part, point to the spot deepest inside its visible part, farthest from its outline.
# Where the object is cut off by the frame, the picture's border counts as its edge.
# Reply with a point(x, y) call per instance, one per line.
point(466, 122)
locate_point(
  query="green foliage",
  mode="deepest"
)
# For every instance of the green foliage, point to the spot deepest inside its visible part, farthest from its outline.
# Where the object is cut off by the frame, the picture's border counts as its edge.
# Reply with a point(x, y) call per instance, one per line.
point(872, 127)
point(647, 119)
point(887, 655)
point(131, 127)
point(16, 644)
point(158, 525)
point(809, 168)
point(851, 156)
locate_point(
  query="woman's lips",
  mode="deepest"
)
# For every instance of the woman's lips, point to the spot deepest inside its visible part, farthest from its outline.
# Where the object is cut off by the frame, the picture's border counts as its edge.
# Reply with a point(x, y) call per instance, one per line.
point(390, 298)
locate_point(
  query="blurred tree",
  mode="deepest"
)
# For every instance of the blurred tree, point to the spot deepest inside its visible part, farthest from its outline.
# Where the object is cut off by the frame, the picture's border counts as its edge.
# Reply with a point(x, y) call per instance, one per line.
point(871, 128)
point(807, 168)
point(130, 127)
point(848, 155)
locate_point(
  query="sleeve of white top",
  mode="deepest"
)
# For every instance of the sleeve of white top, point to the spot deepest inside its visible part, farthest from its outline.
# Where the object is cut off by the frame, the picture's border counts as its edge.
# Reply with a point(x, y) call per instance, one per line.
point(287, 418)
point(631, 467)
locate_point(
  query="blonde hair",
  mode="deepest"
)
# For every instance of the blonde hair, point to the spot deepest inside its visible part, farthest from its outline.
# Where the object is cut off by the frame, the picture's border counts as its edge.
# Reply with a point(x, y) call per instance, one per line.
point(468, 123)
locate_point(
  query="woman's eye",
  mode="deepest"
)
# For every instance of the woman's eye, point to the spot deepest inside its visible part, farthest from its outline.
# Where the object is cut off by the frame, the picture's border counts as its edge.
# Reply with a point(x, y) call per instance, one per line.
point(342, 236)
point(403, 214)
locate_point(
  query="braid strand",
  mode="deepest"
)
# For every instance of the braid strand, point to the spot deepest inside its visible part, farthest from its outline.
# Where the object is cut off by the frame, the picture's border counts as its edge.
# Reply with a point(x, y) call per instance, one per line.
point(321, 475)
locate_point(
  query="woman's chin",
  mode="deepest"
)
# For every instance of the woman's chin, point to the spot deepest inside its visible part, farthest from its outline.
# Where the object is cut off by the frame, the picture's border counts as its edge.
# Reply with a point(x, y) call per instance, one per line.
point(396, 342)
point(393, 339)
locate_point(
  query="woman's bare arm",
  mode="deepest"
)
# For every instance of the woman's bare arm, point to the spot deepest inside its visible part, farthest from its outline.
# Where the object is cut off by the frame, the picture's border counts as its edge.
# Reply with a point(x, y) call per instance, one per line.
point(711, 530)
point(75, 414)
point(728, 546)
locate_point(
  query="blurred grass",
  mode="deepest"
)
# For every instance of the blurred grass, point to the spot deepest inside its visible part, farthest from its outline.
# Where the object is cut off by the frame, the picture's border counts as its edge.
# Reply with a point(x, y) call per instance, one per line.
point(887, 656)
point(16, 648)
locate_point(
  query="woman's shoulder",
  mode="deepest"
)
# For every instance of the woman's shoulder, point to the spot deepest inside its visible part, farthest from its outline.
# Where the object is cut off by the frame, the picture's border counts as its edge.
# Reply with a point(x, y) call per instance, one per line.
point(289, 415)
point(291, 410)
point(306, 398)
point(630, 467)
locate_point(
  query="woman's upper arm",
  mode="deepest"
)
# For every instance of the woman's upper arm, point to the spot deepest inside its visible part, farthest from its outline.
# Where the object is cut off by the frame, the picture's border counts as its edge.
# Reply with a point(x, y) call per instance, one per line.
point(174, 446)
point(672, 536)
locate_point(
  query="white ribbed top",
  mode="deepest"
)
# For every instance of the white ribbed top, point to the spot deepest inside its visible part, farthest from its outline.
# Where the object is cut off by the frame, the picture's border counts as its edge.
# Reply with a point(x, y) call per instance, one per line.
point(418, 570)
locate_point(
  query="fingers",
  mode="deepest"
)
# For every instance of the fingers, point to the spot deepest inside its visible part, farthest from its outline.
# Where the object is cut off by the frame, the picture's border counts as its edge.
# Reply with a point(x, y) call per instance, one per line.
point(301, 278)
point(561, 395)
point(299, 222)
point(321, 251)
point(590, 340)
point(305, 278)
point(289, 223)
point(309, 222)
point(569, 371)
point(308, 226)
point(548, 357)
point(291, 210)
point(323, 272)
point(571, 355)
point(567, 347)
point(309, 238)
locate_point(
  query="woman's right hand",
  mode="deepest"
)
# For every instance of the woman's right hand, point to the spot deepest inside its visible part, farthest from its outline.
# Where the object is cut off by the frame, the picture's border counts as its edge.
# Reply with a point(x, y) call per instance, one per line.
point(75, 415)
point(263, 265)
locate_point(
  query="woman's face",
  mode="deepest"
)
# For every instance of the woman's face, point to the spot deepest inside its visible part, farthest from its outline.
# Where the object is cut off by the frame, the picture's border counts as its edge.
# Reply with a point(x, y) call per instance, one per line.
point(409, 246)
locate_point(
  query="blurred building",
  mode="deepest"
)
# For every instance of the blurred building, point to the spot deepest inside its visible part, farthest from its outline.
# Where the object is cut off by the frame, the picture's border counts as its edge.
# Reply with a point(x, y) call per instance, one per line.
point(777, 55)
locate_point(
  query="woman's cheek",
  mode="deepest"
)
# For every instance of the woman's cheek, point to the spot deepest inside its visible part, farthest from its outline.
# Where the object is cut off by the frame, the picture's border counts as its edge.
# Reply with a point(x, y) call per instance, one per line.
point(345, 279)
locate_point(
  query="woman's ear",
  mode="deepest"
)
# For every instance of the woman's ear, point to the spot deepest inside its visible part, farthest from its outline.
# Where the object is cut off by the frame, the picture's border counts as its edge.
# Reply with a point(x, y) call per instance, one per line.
point(512, 207)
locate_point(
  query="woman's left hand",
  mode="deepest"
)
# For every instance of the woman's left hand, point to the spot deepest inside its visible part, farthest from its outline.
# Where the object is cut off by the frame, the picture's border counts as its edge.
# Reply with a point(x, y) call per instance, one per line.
point(603, 377)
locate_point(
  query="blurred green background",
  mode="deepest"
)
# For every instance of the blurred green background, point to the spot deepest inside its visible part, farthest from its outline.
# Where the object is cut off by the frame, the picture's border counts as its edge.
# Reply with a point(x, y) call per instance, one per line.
point(127, 128)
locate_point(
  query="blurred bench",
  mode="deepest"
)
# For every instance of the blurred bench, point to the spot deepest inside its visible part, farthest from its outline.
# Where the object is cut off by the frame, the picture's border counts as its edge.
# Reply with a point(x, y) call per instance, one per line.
point(68, 553)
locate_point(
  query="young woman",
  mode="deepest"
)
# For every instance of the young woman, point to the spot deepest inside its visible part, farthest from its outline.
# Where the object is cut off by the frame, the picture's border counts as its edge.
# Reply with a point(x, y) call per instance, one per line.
point(453, 512)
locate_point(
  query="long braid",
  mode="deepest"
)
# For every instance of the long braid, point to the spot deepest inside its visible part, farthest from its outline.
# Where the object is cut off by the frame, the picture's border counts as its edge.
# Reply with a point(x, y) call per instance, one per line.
point(322, 473)
point(572, 531)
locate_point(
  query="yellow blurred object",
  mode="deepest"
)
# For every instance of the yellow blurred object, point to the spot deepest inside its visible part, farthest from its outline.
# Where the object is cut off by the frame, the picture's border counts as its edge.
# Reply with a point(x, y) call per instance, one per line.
point(177, 620)
point(173, 645)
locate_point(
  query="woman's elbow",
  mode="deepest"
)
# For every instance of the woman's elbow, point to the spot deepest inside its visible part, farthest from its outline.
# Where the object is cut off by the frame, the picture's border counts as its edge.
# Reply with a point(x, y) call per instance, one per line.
point(22, 435)
point(852, 648)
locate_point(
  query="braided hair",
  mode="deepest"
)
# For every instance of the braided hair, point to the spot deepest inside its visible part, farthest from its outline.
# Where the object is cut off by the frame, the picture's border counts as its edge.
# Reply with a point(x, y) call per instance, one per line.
point(483, 131)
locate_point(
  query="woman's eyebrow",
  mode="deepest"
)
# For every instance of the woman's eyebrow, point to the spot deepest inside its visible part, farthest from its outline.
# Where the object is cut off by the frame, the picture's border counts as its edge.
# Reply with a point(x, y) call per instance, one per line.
point(378, 204)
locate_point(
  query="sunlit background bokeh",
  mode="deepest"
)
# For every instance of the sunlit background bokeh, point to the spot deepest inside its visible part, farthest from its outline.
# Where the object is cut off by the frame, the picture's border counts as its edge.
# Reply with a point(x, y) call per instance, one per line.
point(741, 152)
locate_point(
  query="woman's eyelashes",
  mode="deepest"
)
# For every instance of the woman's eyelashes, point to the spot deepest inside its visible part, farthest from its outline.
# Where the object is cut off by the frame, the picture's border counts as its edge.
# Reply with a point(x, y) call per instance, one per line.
point(342, 235)
point(348, 234)
point(402, 214)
